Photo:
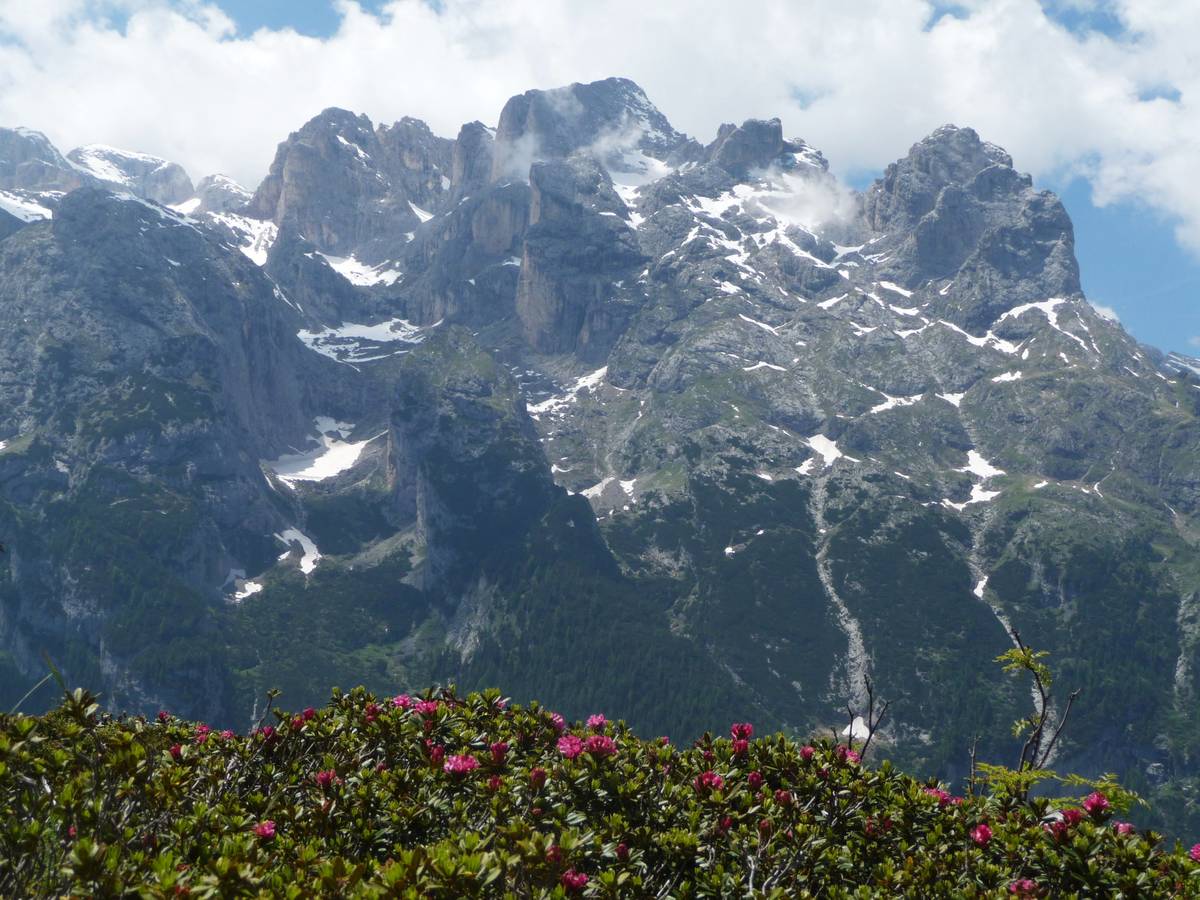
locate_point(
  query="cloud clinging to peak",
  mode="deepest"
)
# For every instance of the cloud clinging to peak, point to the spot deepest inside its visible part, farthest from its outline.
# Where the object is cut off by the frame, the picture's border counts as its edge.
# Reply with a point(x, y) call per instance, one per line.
point(861, 81)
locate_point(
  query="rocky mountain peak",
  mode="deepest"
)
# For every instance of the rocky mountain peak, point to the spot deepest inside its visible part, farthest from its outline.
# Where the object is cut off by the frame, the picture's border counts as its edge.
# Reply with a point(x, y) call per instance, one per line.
point(471, 160)
point(219, 193)
point(604, 115)
point(950, 156)
point(139, 173)
point(755, 145)
point(29, 161)
point(352, 190)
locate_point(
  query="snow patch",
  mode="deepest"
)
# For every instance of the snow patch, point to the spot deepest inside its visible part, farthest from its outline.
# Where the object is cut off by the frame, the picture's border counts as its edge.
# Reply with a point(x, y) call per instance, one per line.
point(978, 466)
point(256, 236)
point(23, 208)
point(309, 554)
point(588, 382)
point(354, 343)
point(360, 273)
point(249, 588)
point(857, 730)
point(827, 449)
point(330, 458)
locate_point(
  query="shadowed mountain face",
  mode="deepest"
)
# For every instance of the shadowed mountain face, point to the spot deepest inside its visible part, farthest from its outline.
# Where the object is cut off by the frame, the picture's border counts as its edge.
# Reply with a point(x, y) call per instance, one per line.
point(584, 408)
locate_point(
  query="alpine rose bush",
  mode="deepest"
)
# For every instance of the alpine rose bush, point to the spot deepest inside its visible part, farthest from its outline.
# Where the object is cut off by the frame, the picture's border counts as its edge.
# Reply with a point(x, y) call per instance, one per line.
point(444, 796)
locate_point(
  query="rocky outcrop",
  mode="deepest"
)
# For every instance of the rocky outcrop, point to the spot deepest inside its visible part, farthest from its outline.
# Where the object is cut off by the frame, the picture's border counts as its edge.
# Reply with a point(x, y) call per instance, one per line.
point(960, 212)
point(123, 170)
point(471, 163)
point(601, 116)
point(219, 194)
point(29, 162)
point(352, 191)
point(578, 286)
point(463, 266)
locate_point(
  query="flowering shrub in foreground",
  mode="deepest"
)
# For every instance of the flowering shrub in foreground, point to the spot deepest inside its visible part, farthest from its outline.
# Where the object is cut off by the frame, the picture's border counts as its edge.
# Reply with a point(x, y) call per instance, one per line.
point(445, 796)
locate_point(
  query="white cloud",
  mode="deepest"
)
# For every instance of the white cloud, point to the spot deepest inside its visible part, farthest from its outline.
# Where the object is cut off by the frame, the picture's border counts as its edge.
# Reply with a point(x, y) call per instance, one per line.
point(860, 81)
point(1106, 312)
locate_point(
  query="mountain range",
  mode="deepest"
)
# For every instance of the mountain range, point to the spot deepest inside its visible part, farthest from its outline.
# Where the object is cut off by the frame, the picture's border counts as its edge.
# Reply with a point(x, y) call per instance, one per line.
point(581, 407)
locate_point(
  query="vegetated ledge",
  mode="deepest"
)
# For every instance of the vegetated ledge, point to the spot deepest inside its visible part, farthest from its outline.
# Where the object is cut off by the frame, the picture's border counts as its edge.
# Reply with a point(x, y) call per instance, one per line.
point(441, 796)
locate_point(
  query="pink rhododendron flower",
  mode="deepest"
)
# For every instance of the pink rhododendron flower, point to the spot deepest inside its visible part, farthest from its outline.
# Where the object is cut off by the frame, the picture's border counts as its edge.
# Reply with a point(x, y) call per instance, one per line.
point(765, 826)
point(176, 751)
point(1194, 853)
point(1096, 803)
point(597, 722)
point(499, 750)
point(981, 834)
point(743, 730)
point(622, 852)
point(297, 723)
point(664, 741)
point(402, 701)
point(427, 708)
point(783, 798)
point(1023, 888)
point(1123, 827)
point(573, 881)
point(327, 777)
point(570, 746)
point(436, 752)
point(460, 765)
point(942, 797)
point(599, 745)
point(372, 712)
point(755, 780)
point(309, 713)
point(202, 732)
point(554, 854)
point(740, 746)
point(494, 783)
point(559, 723)
point(537, 777)
point(708, 781)
point(227, 735)
point(265, 830)
point(1072, 816)
point(725, 824)
point(806, 752)
point(163, 716)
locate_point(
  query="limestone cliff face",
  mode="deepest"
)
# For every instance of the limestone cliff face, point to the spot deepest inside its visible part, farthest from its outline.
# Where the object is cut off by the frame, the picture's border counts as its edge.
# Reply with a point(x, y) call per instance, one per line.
point(578, 256)
point(352, 190)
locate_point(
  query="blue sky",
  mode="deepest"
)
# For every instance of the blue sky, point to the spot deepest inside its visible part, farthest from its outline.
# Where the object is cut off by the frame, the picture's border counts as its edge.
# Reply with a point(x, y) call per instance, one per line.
point(1096, 98)
point(317, 18)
